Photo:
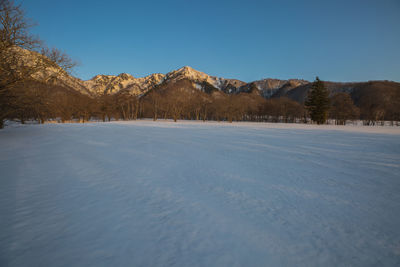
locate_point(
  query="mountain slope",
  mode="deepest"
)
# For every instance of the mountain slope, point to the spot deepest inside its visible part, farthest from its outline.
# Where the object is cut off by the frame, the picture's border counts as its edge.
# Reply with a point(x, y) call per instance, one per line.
point(358, 90)
point(110, 84)
point(200, 78)
point(269, 87)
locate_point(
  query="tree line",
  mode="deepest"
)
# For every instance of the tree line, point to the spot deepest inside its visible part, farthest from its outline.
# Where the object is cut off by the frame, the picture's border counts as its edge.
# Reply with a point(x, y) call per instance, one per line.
point(44, 101)
point(33, 100)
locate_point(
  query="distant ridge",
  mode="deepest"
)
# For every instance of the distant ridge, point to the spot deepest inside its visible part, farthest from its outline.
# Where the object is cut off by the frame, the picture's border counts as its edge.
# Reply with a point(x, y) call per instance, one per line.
point(295, 89)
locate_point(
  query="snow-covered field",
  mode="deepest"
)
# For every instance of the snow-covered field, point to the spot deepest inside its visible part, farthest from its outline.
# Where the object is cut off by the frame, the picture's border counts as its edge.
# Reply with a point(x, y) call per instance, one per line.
point(194, 194)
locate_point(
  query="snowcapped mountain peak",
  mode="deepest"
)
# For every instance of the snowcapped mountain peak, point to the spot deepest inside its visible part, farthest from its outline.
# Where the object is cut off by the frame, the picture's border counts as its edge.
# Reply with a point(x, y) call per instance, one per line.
point(126, 76)
point(186, 68)
point(270, 86)
point(187, 72)
point(200, 79)
point(110, 84)
point(102, 77)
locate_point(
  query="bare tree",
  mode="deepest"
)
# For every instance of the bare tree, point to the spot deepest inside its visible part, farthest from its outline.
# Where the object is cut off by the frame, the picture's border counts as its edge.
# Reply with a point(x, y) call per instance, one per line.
point(14, 33)
point(20, 64)
point(59, 58)
point(205, 106)
point(154, 100)
point(14, 27)
point(176, 100)
point(343, 108)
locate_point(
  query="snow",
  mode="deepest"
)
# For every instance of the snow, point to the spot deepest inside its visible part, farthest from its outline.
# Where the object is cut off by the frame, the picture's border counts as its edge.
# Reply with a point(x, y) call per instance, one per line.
point(199, 194)
point(198, 86)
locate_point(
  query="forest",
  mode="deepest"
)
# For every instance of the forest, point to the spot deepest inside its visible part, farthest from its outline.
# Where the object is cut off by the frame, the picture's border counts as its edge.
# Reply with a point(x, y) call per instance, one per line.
point(44, 102)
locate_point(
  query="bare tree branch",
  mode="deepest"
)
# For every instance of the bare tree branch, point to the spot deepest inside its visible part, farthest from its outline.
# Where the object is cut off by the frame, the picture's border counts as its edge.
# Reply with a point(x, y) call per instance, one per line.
point(60, 58)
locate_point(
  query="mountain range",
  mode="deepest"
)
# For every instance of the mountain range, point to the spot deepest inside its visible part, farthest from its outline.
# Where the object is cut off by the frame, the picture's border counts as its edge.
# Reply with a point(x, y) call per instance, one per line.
point(112, 84)
point(295, 89)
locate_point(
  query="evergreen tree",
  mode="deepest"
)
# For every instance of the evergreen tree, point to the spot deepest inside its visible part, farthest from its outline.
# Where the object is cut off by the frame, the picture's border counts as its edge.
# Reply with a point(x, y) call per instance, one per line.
point(318, 102)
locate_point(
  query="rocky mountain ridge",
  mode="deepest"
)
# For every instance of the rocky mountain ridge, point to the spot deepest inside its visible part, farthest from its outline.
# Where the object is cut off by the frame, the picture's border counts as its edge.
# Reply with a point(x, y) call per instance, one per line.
point(111, 84)
point(295, 89)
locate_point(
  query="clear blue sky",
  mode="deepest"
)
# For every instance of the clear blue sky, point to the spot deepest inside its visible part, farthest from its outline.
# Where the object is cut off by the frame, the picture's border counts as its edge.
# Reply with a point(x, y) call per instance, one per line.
point(249, 40)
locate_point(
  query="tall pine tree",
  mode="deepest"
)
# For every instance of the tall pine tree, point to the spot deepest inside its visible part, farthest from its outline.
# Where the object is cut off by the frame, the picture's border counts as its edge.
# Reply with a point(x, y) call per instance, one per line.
point(318, 102)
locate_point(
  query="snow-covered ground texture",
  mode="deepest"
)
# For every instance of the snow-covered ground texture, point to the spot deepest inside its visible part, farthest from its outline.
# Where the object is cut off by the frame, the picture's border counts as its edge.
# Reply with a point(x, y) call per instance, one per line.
point(194, 194)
